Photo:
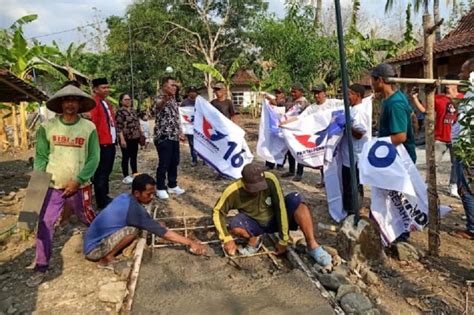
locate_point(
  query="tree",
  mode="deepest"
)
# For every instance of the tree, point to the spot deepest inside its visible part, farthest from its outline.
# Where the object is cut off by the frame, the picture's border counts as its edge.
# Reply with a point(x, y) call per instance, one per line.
point(70, 57)
point(21, 60)
point(217, 27)
point(213, 72)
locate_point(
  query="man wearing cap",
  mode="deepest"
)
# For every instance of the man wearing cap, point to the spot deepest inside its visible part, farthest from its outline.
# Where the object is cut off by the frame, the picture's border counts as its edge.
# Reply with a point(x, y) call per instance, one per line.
point(263, 209)
point(67, 147)
point(190, 101)
point(222, 103)
point(395, 118)
point(103, 118)
point(360, 132)
point(296, 107)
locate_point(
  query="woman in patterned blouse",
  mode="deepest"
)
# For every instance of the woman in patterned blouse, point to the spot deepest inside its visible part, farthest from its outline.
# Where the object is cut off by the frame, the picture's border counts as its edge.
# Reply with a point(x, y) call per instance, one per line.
point(129, 131)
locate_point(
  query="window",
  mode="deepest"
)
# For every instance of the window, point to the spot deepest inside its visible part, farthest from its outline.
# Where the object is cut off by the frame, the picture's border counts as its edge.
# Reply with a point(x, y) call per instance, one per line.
point(237, 99)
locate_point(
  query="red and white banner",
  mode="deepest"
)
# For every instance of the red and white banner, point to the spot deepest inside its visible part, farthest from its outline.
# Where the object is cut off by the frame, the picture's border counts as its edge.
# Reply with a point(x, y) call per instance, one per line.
point(186, 117)
point(219, 141)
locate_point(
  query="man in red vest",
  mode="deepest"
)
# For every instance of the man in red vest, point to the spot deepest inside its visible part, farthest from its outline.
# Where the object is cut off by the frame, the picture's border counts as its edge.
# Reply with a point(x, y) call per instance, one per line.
point(103, 117)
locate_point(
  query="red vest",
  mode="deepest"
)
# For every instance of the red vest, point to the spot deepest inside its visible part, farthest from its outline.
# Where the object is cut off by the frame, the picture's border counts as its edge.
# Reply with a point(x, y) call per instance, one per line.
point(99, 118)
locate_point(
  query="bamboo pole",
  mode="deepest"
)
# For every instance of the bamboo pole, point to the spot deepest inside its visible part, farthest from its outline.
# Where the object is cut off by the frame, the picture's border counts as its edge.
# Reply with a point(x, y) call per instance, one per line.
point(23, 128)
point(433, 200)
point(16, 140)
point(425, 81)
point(132, 283)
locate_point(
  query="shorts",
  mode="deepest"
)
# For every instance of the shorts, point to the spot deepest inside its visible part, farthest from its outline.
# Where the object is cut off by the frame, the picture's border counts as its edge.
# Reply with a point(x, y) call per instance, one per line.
point(107, 244)
point(255, 228)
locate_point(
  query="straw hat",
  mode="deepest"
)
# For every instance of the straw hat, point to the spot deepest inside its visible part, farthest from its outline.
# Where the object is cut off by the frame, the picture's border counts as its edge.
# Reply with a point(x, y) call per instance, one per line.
point(55, 102)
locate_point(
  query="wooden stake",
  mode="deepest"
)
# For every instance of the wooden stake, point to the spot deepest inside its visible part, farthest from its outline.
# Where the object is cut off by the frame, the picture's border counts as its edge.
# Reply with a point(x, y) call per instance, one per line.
point(23, 128)
point(16, 140)
point(433, 200)
point(132, 283)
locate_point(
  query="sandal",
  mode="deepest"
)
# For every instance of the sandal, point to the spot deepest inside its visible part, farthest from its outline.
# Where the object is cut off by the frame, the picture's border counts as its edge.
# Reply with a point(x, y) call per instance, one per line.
point(250, 250)
point(465, 235)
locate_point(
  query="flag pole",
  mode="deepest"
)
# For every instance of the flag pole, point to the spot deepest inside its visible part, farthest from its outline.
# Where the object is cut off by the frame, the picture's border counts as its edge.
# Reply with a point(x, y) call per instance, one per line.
point(348, 131)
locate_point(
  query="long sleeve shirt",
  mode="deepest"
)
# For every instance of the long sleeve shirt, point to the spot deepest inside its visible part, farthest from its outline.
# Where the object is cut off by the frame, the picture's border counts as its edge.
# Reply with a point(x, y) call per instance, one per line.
point(123, 211)
point(102, 115)
point(268, 204)
point(67, 151)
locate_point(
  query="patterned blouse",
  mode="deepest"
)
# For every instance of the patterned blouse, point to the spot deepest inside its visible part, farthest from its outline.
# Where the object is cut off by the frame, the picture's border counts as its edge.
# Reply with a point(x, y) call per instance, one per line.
point(128, 123)
point(167, 125)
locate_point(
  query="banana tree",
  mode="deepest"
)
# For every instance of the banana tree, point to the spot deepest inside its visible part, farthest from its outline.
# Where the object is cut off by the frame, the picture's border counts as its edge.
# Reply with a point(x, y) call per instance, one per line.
point(216, 74)
point(69, 57)
point(21, 59)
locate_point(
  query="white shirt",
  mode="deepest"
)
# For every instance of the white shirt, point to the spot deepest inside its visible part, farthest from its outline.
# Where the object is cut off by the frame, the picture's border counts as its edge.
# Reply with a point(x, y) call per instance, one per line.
point(110, 122)
point(361, 121)
point(314, 108)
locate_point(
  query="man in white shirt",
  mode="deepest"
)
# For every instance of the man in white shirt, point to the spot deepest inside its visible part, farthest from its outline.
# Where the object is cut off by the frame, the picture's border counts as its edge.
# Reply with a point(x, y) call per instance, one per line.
point(361, 131)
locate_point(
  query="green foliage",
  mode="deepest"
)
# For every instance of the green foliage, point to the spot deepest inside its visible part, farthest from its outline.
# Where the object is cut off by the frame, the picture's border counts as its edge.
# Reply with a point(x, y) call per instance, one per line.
point(464, 146)
point(17, 56)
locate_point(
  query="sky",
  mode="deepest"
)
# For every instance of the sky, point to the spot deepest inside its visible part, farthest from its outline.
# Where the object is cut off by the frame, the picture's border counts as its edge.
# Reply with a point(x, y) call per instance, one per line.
point(56, 18)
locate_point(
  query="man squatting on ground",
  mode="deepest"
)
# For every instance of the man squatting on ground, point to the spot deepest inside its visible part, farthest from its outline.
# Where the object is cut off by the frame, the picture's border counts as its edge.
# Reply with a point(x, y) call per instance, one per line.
point(119, 223)
point(262, 209)
point(68, 148)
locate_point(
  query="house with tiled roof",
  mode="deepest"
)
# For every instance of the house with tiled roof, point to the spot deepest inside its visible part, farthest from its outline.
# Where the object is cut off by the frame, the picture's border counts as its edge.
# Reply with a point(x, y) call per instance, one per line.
point(449, 53)
point(243, 91)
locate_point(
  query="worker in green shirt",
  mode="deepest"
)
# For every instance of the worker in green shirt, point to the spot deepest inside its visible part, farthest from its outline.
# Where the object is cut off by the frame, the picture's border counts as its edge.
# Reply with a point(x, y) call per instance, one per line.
point(67, 147)
point(263, 209)
point(396, 116)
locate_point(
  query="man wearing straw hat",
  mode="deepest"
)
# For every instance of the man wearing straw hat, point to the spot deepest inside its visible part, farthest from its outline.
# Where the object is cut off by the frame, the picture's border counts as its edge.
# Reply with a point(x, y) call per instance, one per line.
point(68, 148)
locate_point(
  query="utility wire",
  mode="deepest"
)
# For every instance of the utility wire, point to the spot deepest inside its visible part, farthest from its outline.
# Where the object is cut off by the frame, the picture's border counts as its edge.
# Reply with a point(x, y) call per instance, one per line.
point(68, 30)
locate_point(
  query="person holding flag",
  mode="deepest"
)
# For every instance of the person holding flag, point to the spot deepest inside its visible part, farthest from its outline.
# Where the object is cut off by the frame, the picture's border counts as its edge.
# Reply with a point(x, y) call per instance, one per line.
point(279, 101)
point(296, 107)
point(361, 130)
point(395, 119)
point(263, 209)
point(189, 101)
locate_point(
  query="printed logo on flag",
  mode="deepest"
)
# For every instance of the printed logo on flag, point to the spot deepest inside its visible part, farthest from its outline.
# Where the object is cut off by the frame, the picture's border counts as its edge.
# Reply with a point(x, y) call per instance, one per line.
point(210, 132)
point(188, 118)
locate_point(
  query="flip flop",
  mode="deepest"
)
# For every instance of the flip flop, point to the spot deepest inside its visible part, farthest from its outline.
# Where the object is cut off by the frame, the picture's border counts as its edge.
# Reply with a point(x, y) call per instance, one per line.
point(250, 250)
point(465, 235)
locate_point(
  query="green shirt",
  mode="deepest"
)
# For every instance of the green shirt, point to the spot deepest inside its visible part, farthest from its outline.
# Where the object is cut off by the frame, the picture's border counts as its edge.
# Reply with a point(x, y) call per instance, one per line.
point(263, 208)
point(67, 151)
point(396, 118)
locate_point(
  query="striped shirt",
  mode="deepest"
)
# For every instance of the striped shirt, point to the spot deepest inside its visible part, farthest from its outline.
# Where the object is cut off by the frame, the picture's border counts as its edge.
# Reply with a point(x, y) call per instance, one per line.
point(263, 207)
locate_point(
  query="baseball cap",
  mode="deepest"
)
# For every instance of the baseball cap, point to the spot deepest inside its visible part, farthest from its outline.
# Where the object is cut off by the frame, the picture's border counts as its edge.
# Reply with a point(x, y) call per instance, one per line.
point(318, 88)
point(192, 88)
point(218, 86)
point(383, 70)
point(253, 178)
point(298, 86)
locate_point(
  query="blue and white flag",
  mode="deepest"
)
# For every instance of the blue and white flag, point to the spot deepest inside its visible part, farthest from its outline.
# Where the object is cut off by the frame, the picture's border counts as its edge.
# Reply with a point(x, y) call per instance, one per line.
point(308, 137)
point(271, 145)
point(219, 141)
point(399, 200)
point(186, 117)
